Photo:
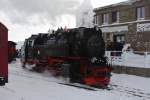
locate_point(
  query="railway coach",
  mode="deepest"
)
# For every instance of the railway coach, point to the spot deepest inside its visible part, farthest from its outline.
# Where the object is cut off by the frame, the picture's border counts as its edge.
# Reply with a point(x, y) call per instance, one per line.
point(3, 54)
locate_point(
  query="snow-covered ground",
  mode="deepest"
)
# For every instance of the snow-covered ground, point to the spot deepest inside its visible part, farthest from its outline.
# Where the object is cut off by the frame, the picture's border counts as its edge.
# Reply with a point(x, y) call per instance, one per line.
point(130, 59)
point(27, 85)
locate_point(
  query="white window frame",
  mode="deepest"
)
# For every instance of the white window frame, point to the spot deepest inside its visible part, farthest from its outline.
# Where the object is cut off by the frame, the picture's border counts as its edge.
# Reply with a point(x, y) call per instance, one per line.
point(118, 17)
point(106, 18)
point(140, 13)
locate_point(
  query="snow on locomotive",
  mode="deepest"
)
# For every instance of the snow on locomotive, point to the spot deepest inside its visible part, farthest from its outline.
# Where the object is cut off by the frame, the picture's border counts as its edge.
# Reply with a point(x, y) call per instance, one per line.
point(76, 53)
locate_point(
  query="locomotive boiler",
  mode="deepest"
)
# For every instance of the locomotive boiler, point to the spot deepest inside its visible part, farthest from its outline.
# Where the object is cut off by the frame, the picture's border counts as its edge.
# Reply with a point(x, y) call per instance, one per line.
point(77, 54)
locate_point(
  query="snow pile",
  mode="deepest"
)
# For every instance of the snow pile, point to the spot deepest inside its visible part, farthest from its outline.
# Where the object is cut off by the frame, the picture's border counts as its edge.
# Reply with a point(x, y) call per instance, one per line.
point(85, 14)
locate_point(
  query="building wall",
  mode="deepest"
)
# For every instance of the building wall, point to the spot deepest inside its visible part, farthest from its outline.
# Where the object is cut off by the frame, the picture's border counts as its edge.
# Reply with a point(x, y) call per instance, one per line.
point(128, 24)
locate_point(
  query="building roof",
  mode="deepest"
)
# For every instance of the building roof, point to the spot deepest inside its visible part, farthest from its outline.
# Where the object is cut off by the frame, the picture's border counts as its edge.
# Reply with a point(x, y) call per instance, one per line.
point(1, 24)
point(12, 43)
point(125, 3)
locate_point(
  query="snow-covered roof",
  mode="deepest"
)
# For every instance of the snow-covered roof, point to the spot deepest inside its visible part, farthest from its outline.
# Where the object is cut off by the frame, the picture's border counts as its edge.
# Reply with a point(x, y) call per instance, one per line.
point(128, 2)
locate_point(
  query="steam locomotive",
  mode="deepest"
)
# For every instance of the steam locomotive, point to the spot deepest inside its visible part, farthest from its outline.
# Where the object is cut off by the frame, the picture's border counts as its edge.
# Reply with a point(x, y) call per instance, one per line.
point(76, 54)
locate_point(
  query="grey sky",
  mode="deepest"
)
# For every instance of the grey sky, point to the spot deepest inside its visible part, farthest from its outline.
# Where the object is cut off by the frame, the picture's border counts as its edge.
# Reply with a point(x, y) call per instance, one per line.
point(20, 11)
point(26, 17)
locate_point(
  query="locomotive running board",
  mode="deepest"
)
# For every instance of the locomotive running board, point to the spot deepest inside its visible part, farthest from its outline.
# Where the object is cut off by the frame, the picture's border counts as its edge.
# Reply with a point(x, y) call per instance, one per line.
point(77, 85)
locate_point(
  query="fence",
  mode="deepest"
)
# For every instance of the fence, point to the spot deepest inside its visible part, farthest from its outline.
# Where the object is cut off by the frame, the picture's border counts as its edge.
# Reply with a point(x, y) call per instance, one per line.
point(135, 63)
point(128, 58)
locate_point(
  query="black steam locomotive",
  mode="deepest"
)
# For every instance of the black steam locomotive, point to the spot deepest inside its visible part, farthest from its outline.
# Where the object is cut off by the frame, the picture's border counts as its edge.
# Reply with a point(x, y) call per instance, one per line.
point(77, 54)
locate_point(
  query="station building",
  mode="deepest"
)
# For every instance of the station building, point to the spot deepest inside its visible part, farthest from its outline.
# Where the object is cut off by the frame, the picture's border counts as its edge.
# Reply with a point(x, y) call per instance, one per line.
point(126, 22)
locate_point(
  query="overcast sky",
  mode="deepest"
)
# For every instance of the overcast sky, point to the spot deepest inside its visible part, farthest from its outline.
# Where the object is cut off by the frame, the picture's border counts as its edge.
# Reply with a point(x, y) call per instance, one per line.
point(26, 17)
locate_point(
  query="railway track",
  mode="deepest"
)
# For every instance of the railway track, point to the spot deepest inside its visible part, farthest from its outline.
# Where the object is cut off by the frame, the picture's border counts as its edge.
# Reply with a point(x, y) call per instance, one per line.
point(131, 91)
point(143, 95)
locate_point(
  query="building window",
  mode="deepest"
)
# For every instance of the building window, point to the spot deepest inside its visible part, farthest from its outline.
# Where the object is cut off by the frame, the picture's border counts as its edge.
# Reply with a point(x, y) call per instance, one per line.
point(140, 13)
point(105, 18)
point(115, 16)
point(120, 38)
point(96, 20)
point(30, 43)
point(108, 36)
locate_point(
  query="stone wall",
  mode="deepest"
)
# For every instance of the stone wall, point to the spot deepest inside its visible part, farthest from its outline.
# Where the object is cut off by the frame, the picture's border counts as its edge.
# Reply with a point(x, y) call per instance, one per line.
point(144, 72)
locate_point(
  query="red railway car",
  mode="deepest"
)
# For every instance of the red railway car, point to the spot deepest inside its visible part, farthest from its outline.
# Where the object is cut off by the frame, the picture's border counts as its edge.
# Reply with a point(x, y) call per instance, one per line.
point(3, 54)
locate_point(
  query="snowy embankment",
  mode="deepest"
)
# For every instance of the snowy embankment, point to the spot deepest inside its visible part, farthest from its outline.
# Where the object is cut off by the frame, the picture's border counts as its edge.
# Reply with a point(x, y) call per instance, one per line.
point(130, 59)
point(28, 85)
